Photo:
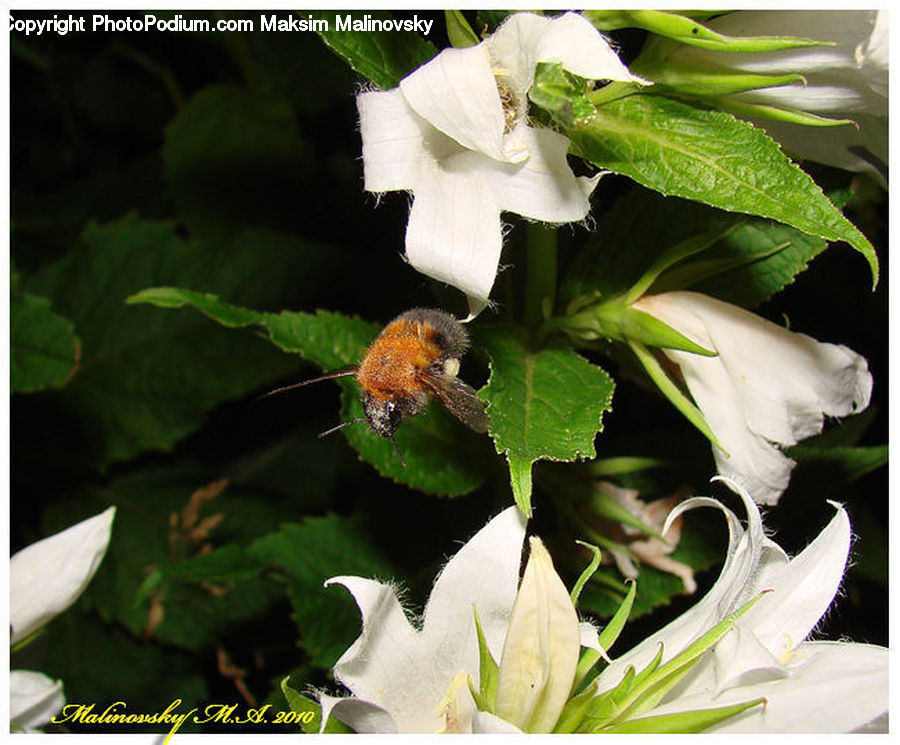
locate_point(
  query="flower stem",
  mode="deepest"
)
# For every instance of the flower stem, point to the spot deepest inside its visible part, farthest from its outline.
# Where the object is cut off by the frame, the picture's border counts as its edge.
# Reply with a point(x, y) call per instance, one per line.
point(540, 274)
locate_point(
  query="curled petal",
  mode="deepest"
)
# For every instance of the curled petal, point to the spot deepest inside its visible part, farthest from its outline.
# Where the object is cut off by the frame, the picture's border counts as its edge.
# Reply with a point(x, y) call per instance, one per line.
point(34, 699)
point(46, 577)
point(525, 39)
point(544, 188)
point(457, 94)
point(361, 716)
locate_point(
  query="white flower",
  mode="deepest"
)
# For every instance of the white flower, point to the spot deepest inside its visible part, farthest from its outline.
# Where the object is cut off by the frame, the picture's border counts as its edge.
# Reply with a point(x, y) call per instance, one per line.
point(406, 678)
point(34, 699)
point(455, 133)
point(846, 81)
point(809, 686)
point(45, 578)
point(766, 387)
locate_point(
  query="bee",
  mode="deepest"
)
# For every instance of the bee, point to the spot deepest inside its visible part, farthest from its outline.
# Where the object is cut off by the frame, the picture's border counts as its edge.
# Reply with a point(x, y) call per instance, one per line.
point(415, 358)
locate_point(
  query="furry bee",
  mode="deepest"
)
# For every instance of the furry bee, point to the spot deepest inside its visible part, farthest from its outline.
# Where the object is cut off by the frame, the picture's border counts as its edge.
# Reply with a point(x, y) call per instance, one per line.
point(415, 358)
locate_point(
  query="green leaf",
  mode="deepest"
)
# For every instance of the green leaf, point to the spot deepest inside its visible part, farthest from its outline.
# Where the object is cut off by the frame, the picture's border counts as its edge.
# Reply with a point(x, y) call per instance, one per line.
point(146, 379)
point(544, 404)
point(459, 31)
point(441, 456)
point(384, 57)
point(230, 562)
point(488, 20)
point(310, 553)
point(201, 610)
point(713, 158)
point(43, 347)
point(234, 159)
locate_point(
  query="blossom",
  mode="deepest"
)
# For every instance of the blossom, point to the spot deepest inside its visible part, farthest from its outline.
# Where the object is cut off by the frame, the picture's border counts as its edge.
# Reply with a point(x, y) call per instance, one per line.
point(455, 133)
point(406, 678)
point(766, 386)
point(45, 578)
point(848, 80)
point(808, 686)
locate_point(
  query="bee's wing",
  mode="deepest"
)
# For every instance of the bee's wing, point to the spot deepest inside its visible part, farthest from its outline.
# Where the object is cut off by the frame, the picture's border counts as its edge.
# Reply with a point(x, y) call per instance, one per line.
point(460, 400)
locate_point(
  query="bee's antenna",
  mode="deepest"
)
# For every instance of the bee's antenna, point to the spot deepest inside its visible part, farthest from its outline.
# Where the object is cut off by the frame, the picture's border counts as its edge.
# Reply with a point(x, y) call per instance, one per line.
point(342, 373)
point(341, 426)
point(397, 450)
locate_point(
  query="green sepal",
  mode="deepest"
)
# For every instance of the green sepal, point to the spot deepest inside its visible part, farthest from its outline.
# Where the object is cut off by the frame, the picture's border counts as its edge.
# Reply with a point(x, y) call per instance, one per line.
point(574, 710)
point(683, 722)
point(605, 506)
point(777, 113)
point(674, 255)
point(623, 464)
point(587, 573)
point(649, 691)
point(686, 30)
point(704, 82)
point(620, 322)
point(672, 392)
point(488, 672)
point(459, 32)
point(605, 706)
point(606, 638)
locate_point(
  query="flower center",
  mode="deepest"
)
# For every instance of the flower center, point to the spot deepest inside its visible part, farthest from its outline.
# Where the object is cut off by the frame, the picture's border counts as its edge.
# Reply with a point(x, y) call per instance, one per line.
point(507, 99)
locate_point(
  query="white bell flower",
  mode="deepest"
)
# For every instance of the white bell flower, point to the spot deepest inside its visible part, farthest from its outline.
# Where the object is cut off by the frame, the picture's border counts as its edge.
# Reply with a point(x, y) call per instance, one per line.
point(765, 387)
point(414, 678)
point(808, 686)
point(848, 80)
point(455, 133)
point(45, 578)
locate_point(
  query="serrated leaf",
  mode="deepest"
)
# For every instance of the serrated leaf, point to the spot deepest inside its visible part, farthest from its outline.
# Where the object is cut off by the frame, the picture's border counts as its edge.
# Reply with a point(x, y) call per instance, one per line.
point(710, 157)
point(308, 554)
point(441, 457)
point(234, 159)
point(384, 57)
point(146, 380)
point(544, 404)
point(43, 347)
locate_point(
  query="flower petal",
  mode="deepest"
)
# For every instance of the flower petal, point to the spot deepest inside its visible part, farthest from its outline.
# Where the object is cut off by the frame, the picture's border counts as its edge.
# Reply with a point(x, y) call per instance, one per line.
point(454, 233)
point(46, 577)
point(363, 717)
point(485, 723)
point(802, 589)
point(392, 141)
point(34, 699)
point(484, 573)
point(381, 651)
point(543, 188)
point(834, 687)
point(525, 39)
point(456, 93)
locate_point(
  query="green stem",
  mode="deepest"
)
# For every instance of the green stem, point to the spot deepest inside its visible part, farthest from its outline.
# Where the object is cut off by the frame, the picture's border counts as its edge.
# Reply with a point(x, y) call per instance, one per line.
point(540, 274)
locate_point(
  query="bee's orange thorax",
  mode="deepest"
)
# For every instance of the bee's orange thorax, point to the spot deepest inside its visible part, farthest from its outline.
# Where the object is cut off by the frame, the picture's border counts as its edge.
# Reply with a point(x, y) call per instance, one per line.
point(392, 364)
